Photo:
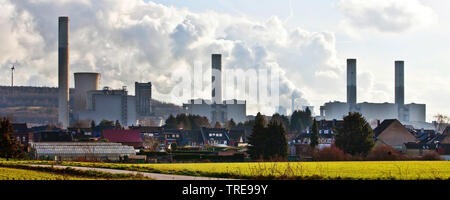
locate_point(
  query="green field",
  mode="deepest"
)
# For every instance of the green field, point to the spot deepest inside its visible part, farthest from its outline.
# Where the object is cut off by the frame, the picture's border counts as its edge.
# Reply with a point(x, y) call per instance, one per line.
point(384, 170)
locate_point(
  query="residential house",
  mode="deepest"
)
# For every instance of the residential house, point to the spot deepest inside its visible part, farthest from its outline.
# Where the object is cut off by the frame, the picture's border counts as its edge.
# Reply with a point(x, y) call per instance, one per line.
point(22, 133)
point(215, 136)
point(414, 149)
point(238, 136)
point(391, 132)
point(170, 136)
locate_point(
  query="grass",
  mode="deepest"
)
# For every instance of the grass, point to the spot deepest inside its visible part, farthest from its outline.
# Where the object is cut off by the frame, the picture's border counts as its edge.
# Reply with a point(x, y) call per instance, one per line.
point(13, 170)
point(362, 170)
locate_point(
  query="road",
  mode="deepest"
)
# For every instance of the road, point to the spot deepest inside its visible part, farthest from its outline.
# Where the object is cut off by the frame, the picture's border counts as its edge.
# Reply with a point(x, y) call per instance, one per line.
point(146, 174)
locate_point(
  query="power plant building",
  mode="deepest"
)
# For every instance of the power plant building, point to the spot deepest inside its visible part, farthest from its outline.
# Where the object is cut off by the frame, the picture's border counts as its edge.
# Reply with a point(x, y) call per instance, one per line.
point(217, 110)
point(375, 111)
point(109, 104)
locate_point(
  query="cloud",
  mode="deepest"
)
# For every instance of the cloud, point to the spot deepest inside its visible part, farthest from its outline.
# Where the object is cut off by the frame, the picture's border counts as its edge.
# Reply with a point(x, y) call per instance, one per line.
point(390, 16)
point(134, 40)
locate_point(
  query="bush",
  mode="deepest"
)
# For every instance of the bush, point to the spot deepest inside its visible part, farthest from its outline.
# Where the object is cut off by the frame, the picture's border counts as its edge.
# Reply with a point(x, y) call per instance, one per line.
point(385, 153)
point(431, 155)
point(331, 153)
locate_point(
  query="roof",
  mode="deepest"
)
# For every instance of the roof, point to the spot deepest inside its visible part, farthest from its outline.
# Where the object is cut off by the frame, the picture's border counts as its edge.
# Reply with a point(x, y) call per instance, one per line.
point(148, 129)
point(20, 127)
point(383, 126)
point(237, 133)
point(131, 136)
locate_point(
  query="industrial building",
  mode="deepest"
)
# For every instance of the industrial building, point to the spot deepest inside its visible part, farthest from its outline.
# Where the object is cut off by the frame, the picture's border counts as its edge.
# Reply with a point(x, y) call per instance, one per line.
point(109, 104)
point(217, 110)
point(70, 151)
point(375, 111)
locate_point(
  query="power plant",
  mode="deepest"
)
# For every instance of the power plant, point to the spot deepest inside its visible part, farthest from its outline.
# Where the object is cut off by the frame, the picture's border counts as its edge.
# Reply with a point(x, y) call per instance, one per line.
point(63, 71)
point(375, 111)
point(217, 110)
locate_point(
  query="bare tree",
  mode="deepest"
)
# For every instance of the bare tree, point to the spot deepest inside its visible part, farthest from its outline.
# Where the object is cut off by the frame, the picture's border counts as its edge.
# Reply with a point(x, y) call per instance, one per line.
point(150, 143)
point(441, 122)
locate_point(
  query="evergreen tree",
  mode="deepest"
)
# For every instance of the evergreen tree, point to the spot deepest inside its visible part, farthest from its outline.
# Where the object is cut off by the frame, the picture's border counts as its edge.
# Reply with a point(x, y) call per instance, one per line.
point(118, 125)
point(301, 120)
point(92, 124)
point(257, 139)
point(355, 136)
point(281, 119)
point(276, 145)
point(9, 148)
point(314, 136)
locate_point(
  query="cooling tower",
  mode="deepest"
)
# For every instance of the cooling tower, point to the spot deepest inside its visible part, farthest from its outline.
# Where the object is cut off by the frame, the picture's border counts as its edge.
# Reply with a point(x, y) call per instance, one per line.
point(84, 82)
point(351, 82)
point(63, 72)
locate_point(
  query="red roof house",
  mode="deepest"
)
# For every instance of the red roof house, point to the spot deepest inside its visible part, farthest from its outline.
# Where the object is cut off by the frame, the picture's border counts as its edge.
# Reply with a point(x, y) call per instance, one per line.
point(125, 137)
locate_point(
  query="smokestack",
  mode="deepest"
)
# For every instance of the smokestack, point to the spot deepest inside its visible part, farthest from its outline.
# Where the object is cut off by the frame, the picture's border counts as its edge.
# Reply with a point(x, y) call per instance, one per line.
point(63, 72)
point(400, 83)
point(217, 78)
point(351, 82)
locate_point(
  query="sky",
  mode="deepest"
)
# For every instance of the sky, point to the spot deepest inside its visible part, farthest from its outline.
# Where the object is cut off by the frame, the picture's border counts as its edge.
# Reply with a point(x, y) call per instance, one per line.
point(307, 41)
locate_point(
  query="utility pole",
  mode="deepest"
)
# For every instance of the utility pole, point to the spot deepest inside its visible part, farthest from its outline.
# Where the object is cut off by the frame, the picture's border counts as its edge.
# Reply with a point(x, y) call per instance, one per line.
point(12, 76)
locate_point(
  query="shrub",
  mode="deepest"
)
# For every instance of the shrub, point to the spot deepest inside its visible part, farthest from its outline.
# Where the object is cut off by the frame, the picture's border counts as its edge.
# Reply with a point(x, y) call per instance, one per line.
point(431, 155)
point(331, 153)
point(385, 153)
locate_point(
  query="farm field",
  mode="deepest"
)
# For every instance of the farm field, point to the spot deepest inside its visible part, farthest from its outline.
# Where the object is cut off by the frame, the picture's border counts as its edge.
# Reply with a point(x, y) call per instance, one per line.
point(360, 170)
point(13, 170)
point(23, 174)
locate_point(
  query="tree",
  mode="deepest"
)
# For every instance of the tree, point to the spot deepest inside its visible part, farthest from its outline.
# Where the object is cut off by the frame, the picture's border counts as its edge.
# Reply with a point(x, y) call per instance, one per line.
point(301, 120)
point(355, 136)
point(314, 137)
point(183, 121)
point(173, 146)
point(441, 122)
point(276, 143)
point(231, 124)
point(284, 120)
point(118, 125)
point(217, 125)
point(9, 148)
point(106, 123)
point(257, 139)
point(171, 123)
point(92, 124)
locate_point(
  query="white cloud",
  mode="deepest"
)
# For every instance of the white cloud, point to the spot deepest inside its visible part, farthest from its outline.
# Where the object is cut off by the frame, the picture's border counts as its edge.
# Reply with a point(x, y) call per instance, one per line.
point(132, 40)
point(390, 16)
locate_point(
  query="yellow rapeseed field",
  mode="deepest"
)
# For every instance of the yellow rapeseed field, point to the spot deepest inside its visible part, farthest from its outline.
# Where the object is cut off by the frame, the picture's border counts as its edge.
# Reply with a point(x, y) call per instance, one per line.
point(384, 170)
point(23, 174)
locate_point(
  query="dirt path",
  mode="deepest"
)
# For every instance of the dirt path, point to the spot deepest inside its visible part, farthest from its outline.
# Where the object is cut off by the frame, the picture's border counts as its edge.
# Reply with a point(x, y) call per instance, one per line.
point(146, 174)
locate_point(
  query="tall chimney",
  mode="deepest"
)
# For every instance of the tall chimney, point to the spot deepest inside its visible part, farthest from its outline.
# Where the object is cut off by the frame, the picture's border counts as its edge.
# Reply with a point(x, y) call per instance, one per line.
point(400, 82)
point(351, 82)
point(400, 89)
point(216, 78)
point(63, 72)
